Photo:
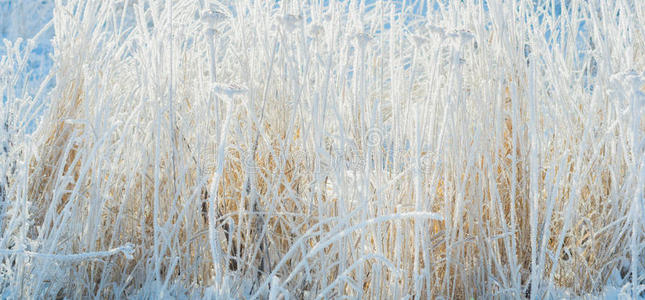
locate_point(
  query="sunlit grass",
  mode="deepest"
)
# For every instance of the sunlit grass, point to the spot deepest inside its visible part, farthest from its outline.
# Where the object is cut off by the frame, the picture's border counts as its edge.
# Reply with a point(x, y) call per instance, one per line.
point(263, 150)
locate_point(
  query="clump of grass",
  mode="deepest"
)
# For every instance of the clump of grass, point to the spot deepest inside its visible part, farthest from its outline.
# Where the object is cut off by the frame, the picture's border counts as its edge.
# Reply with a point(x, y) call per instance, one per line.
point(261, 150)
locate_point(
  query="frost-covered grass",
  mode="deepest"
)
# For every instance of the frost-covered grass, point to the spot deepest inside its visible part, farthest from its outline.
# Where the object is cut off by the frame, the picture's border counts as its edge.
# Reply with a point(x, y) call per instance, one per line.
point(21, 21)
point(254, 149)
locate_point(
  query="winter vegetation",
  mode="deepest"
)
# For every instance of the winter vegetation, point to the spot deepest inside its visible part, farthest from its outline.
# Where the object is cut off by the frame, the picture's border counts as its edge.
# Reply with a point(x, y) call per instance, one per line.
point(313, 149)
